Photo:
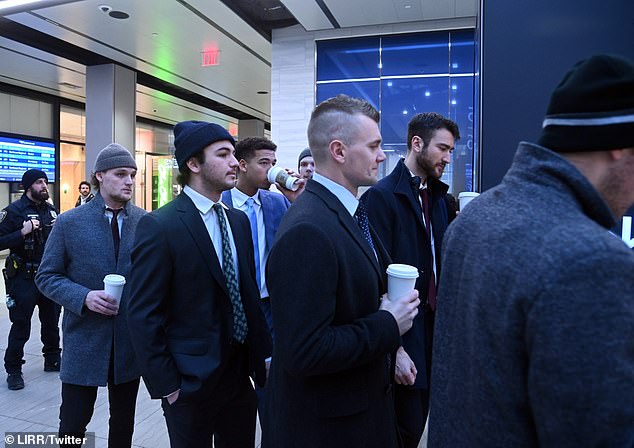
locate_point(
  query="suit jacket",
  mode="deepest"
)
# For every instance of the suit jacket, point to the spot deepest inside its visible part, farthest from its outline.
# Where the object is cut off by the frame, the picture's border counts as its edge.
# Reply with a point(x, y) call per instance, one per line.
point(181, 318)
point(274, 206)
point(395, 212)
point(330, 383)
point(79, 254)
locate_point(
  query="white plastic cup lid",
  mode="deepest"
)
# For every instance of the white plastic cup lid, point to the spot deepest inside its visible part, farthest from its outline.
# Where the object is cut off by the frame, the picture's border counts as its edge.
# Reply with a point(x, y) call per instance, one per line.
point(468, 194)
point(114, 279)
point(402, 271)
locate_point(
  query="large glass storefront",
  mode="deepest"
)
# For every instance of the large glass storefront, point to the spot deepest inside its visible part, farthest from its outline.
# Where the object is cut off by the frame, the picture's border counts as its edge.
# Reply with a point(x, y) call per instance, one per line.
point(403, 75)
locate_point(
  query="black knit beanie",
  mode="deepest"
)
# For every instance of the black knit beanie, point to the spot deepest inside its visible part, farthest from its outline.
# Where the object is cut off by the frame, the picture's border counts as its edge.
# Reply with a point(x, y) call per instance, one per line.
point(191, 137)
point(592, 108)
point(30, 176)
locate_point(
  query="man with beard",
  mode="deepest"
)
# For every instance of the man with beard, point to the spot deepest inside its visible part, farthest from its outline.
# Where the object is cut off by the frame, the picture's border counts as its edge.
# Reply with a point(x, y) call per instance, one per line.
point(24, 228)
point(88, 243)
point(195, 322)
point(408, 209)
point(85, 195)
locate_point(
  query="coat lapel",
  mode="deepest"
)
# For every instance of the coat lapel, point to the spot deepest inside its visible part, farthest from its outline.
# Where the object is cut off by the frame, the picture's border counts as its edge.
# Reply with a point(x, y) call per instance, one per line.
point(404, 189)
point(347, 221)
point(190, 216)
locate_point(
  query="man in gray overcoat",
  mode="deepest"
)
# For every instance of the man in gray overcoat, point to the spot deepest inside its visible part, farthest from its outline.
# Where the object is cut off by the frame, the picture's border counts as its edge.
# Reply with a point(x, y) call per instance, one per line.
point(86, 244)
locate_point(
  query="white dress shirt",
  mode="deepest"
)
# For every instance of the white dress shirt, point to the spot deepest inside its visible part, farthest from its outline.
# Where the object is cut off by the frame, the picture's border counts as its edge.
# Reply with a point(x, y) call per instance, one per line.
point(208, 215)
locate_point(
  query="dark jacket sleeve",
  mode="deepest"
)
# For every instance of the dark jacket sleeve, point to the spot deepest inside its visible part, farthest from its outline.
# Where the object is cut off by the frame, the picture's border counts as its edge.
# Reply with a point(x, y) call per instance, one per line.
point(149, 292)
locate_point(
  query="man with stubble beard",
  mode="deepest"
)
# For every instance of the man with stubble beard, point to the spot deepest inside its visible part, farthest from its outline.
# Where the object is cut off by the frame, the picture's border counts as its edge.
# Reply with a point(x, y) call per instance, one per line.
point(408, 209)
point(24, 228)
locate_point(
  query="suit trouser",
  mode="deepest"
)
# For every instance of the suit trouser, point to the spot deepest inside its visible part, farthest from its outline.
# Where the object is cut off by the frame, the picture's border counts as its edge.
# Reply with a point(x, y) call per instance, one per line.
point(26, 296)
point(78, 405)
point(265, 306)
point(412, 404)
point(226, 415)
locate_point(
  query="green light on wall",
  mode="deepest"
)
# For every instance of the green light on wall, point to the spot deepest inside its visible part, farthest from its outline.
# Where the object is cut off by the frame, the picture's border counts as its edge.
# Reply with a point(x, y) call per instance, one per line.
point(164, 186)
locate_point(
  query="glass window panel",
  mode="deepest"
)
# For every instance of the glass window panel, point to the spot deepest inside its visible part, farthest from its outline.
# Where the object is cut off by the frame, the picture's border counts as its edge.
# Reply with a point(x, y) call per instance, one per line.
point(404, 98)
point(367, 90)
point(460, 172)
point(462, 52)
point(348, 58)
point(415, 54)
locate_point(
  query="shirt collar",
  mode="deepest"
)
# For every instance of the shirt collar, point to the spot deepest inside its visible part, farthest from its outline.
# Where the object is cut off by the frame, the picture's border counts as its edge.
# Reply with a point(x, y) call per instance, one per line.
point(347, 199)
point(420, 185)
point(202, 203)
point(240, 198)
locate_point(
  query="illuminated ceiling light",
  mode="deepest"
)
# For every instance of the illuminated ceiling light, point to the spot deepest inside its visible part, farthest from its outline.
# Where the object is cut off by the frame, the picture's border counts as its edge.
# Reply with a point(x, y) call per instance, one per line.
point(405, 112)
point(453, 102)
point(15, 6)
point(427, 93)
point(454, 87)
point(389, 83)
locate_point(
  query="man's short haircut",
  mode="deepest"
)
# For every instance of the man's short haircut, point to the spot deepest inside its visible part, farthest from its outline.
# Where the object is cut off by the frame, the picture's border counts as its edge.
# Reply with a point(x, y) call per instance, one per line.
point(245, 149)
point(426, 124)
point(184, 173)
point(83, 182)
point(333, 119)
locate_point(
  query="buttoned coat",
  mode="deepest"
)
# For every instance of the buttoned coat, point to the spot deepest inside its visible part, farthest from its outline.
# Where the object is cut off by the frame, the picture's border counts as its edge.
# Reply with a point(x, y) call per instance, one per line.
point(181, 316)
point(330, 382)
point(395, 212)
point(78, 255)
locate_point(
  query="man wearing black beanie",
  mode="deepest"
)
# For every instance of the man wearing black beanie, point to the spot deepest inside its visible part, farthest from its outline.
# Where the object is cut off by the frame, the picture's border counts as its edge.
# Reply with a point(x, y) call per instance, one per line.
point(534, 337)
point(24, 228)
point(194, 317)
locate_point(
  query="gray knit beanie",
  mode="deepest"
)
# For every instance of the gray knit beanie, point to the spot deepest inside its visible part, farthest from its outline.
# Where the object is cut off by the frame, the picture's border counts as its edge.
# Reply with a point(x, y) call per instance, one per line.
point(114, 156)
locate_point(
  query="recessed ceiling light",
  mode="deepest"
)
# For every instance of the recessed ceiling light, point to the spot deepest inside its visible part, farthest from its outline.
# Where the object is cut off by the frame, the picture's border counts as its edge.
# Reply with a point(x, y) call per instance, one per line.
point(262, 92)
point(408, 6)
point(69, 85)
point(119, 15)
point(155, 34)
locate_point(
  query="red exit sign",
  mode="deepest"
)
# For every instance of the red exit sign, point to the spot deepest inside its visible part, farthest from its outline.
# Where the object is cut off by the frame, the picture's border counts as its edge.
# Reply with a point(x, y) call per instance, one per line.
point(210, 57)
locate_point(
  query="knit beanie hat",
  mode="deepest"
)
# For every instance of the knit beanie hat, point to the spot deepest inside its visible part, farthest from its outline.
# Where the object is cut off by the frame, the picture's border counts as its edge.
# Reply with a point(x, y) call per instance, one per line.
point(592, 109)
point(191, 137)
point(30, 176)
point(305, 153)
point(114, 156)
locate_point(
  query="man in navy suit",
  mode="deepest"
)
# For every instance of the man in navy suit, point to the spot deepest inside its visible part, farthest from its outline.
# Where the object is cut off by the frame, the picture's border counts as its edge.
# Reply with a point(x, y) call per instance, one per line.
point(194, 317)
point(397, 206)
point(331, 381)
point(256, 156)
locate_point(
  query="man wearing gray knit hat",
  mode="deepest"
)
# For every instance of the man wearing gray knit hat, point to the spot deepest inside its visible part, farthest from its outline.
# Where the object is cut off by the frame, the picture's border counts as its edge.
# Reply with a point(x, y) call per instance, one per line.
point(88, 243)
point(534, 334)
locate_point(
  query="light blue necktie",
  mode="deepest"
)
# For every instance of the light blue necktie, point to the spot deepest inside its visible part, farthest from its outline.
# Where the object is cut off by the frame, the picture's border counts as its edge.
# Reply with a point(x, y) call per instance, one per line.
point(254, 235)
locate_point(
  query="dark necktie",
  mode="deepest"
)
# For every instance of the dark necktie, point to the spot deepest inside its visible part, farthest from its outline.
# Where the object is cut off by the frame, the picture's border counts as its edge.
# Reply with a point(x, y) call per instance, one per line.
point(114, 225)
point(361, 215)
point(253, 220)
point(239, 319)
point(431, 290)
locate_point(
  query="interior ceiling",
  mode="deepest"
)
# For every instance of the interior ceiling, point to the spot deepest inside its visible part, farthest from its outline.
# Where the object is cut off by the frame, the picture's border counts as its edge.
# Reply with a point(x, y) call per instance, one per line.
point(48, 49)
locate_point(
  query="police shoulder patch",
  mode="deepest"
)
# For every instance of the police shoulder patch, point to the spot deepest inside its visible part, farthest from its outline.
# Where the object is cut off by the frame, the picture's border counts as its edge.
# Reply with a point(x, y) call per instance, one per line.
point(3, 214)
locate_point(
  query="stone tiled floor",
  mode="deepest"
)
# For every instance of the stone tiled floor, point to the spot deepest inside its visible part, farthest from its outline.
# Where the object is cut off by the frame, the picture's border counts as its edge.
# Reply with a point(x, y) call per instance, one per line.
point(36, 407)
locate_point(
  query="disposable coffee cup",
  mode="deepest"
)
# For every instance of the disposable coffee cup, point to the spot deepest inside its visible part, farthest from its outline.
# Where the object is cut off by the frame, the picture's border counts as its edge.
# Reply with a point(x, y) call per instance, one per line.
point(113, 285)
point(465, 197)
point(279, 174)
point(401, 279)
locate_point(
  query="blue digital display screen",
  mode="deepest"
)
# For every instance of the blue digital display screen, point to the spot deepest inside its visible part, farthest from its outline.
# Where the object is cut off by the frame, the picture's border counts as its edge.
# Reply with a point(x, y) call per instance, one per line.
point(19, 154)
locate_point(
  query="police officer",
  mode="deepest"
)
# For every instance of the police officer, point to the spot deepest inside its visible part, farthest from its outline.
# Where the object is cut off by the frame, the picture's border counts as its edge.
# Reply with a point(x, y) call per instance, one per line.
point(24, 227)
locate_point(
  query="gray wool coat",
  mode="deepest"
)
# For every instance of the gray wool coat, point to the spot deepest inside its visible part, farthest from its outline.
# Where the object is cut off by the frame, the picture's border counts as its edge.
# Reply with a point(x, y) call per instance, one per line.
point(79, 253)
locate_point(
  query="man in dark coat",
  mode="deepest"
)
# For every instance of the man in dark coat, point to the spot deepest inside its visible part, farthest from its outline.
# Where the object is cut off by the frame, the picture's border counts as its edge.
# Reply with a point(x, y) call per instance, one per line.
point(195, 321)
point(397, 209)
point(331, 380)
point(88, 243)
point(24, 228)
point(534, 342)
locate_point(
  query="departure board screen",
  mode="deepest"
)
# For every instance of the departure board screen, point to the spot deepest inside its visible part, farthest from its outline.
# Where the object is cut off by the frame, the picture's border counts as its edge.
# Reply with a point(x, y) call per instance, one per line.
point(18, 155)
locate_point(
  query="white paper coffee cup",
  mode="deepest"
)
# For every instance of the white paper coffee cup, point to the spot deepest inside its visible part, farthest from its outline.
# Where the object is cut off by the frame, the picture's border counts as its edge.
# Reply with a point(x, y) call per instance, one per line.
point(401, 279)
point(279, 174)
point(113, 285)
point(465, 197)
